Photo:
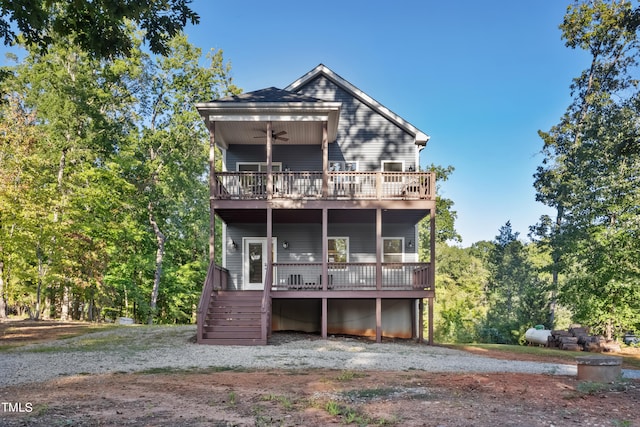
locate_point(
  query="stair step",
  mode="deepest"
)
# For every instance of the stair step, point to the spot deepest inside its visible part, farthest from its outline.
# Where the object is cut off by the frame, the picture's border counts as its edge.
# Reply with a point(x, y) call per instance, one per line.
point(233, 334)
point(217, 341)
point(231, 324)
point(236, 309)
point(247, 321)
point(233, 318)
point(230, 305)
point(227, 328)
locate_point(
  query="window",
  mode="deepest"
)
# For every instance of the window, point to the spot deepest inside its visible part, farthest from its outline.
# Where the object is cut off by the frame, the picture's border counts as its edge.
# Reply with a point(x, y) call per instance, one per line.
point(392, 249)
point(338, 249)
point(393, 166)
point(258, 167)
point(346, 166)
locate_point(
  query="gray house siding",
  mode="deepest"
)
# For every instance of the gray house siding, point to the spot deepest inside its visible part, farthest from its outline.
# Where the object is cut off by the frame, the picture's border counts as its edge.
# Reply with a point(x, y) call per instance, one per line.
point(294, 158)
point(363, 134)
point(305, 243)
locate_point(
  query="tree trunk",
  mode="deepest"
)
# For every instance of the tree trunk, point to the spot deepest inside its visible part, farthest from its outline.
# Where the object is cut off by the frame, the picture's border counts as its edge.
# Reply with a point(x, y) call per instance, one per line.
point(41, 273)
point(3, 305)
point(64, 307)
point(90, 309)
point(556, 267)
point(160, 239)
point(49, 305)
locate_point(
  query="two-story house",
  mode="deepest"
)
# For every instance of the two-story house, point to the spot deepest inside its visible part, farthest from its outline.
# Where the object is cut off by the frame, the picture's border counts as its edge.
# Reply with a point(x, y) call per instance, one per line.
point(320, 196)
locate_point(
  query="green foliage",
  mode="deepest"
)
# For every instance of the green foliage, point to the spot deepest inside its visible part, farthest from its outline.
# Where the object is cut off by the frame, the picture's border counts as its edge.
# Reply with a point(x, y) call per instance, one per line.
point(98, 27)
point(591, 173)
point(170, 161)
point(461, 303)
point(491, 292)
point(349, 415)
point(445, 224)
point(517, 294)
point(350, 375)
point(97, 158)
point(595, 388)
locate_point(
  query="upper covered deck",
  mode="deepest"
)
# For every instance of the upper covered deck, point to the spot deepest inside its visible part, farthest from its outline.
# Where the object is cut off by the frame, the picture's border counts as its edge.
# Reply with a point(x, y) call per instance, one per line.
point(270, 140)
point(317, 185)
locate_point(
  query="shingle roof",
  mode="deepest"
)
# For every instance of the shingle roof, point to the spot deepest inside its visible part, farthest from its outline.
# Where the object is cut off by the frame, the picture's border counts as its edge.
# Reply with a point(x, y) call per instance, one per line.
point(271, 94)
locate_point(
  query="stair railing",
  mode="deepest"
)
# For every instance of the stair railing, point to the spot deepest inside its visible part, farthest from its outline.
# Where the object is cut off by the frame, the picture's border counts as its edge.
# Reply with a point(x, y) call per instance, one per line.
point(266, 306)
point(216, 280)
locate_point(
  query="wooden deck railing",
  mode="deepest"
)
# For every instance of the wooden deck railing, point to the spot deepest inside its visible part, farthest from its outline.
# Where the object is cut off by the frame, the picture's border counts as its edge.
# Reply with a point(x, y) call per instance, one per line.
point(352, 276)
point(340, 185)
point(217, 279)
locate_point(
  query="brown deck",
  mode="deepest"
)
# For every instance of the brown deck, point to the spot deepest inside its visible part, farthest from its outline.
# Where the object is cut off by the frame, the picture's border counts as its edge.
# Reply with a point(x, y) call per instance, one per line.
point(242, 317)
point(330, 186)
point(317, 196)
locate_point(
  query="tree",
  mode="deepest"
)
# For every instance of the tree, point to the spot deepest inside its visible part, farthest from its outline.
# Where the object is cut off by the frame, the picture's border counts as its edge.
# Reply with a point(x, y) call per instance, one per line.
point(170, 154)
point(445, 221)
point(103, 184)
point(516, 293)
point(98, 27)
point(590, 171)
point(461, 305)
point(17, 145)
point(69, 108)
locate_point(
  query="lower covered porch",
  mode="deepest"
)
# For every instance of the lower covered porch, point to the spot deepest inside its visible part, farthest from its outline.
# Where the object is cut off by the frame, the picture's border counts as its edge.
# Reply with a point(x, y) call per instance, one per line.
point(318, 269)
point(353, 302)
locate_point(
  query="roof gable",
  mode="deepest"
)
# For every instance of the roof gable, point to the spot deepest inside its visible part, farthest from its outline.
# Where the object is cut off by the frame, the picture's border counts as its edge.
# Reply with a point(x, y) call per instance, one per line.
point(421, 138)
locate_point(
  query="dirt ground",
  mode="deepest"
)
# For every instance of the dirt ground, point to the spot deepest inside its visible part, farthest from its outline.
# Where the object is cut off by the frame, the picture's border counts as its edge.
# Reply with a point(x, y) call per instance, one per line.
point(316, 397)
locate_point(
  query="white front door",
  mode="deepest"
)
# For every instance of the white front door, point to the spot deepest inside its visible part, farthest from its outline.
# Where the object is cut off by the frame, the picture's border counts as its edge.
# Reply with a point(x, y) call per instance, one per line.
point(255, 262)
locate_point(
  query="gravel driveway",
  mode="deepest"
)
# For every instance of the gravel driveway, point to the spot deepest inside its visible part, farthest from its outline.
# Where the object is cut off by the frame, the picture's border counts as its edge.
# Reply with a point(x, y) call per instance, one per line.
point(131, 349)
point(136, 348)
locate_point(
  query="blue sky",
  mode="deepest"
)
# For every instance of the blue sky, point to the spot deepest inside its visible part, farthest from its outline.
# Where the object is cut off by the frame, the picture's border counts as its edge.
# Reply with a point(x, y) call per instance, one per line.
point(481, 78)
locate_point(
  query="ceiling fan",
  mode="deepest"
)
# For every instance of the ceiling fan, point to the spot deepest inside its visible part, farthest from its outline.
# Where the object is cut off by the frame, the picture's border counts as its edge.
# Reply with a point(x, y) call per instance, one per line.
point(275, 136)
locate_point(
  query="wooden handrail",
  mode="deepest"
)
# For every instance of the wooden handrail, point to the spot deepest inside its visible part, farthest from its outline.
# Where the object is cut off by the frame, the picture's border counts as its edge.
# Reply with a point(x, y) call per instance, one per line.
point(215, 280)
point(338, 185)
point(352, 276)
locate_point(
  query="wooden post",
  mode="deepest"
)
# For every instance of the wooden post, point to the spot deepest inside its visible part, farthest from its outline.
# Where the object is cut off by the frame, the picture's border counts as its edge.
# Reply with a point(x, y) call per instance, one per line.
point(378, 249)
point(325, 249)
point(378, 320)
point(212, 185)
point(268, 279)
point(325, 270)
point(379, 260)
point(269, 238)
point(325, 161)
point(421, 320)
point(325, 314)
point(269, 161)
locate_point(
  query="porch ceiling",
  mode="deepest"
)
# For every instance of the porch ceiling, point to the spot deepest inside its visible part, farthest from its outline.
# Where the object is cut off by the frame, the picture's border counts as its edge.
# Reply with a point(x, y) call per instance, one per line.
point(314, 216)
point(255, 133)
point(242, 119)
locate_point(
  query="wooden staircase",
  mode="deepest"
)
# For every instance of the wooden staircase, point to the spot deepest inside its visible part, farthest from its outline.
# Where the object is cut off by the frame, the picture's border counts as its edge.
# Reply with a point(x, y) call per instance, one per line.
point(233, 318)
